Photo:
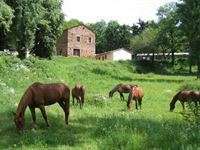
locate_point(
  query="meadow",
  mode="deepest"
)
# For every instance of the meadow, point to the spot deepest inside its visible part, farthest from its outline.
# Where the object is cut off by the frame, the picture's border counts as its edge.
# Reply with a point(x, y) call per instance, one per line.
point(103, 123)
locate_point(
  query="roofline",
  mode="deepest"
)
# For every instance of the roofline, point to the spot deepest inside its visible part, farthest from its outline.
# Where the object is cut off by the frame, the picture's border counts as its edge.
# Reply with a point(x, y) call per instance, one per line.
point(115, 50)
point(81, 24)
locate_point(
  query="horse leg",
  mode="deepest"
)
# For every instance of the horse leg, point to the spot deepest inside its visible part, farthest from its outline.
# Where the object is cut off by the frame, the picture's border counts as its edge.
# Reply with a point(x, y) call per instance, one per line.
point(79, 101)
point(129, 101)
point(66, 109)
point(62, 105)
point(140, 103)
point(136, 104)
point(73, 100)
point(32, 109)
point(42, 109)
point(182, 103)
point(82, 99)
point(121, 96)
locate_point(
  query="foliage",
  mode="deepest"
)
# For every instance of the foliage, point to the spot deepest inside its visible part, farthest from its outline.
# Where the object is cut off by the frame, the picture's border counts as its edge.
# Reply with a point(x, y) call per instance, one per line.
point(48, 29)
point(145, 42)
point(117, 36)
point(6, 15)
point(169, 38)
point(189, 14)
point(99, 28)
point(71, 23)
point(33, 28)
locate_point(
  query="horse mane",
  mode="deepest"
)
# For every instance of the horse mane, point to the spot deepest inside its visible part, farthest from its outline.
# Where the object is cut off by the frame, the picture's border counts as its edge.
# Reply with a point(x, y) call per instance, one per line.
point(115, 88)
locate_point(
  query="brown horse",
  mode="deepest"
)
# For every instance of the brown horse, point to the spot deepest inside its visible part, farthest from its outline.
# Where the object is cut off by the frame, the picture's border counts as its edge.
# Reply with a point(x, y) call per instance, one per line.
point(185, 96)
point(78, 92)
point(121, 88)
point(39, 95)
point(136, 94)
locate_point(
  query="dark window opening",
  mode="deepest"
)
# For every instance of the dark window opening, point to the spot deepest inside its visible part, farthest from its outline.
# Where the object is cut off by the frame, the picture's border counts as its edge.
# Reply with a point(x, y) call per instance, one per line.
point(78, 38)
point(76, 52)
point(90, 39)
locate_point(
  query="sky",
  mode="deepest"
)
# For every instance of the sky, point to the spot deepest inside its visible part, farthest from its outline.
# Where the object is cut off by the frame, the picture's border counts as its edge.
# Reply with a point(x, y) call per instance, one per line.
point(123, 11)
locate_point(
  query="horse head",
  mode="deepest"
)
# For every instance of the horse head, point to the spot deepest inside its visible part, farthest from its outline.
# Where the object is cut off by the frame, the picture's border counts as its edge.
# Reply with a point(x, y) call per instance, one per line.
point(172, 106)
point(19, 121)
point(110, 94)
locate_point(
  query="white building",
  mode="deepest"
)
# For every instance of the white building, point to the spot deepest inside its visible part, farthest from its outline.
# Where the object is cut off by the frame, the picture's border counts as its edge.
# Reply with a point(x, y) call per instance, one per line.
point(115, 55)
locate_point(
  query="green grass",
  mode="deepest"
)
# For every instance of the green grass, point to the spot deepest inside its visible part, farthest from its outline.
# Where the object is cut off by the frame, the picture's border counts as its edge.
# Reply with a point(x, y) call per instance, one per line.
point(103, 123)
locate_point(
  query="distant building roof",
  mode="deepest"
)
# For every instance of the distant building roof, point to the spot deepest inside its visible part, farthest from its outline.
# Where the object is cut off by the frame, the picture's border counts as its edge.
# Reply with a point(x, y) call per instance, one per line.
point(78, 26)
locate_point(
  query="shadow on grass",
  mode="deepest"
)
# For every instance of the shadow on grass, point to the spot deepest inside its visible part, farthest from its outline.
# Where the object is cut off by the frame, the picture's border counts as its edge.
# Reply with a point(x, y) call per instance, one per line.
point(57, 134)
point(117, 131)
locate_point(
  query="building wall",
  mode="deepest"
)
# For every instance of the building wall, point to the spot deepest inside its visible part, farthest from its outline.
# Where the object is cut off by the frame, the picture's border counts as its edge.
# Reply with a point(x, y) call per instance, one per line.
point(121, 55)
point(104, 56)
point(68, 42)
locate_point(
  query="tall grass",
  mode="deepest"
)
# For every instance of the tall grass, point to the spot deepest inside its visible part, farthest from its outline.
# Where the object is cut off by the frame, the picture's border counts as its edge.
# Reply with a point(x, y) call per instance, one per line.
point(103, 123)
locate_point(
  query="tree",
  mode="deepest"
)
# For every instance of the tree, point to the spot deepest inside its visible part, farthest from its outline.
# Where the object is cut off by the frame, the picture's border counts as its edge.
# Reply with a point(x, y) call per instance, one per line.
point(99, 28)
point(36, 26)
point(117, 36)
point(71, 23)
point(168, 36)
point(145, 42)
point(6, 15)
point(189, 13)
point(48, 29)
point(26, 14)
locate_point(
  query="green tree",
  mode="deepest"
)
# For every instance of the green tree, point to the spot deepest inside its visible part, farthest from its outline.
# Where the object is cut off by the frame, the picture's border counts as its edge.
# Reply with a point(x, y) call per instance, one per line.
point(26, 14)
point(99, 28)
point(71, 23)
point(49, 28)
point(6, 15)
point(117, 36)
point(169, 35)
point(145, 42)
point(189, 13)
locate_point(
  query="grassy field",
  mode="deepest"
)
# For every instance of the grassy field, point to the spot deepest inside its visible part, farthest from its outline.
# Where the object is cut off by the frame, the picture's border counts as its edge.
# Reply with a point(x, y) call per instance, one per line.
point(103, 123)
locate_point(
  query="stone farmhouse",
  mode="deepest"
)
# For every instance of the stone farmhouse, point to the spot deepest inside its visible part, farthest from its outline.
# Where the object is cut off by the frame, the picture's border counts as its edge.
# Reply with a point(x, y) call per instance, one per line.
point(77, 41)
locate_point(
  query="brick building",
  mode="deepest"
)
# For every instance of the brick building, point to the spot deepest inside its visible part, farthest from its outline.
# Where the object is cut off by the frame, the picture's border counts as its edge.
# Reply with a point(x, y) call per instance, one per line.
point(77, 41)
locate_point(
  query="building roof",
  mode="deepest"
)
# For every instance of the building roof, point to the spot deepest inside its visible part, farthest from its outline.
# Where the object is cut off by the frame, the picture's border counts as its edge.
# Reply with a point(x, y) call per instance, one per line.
point(78, 26)
point(115, 51)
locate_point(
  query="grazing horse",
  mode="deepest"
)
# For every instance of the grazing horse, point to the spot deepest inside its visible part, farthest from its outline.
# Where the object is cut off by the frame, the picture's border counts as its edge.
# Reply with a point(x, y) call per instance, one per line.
point(78, 92)
point(39, 95)
point(185, 96)
point(136, 94)
point(121, 88)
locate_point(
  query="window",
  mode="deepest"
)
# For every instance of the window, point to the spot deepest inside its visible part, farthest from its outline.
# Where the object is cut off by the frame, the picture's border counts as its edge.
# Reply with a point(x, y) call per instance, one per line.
point(78, 38)
point(76, 52)
point(90, 39)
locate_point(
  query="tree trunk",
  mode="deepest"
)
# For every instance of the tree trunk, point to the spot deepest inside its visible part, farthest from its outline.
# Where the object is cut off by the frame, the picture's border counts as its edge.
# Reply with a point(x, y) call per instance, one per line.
point(22, 53)
point(190, 65)
point(173, 57)
point(198, 66)
point(153, 57)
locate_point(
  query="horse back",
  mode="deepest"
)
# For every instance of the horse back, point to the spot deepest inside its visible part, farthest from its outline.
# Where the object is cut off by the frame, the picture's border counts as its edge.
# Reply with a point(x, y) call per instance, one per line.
point(49, 93)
